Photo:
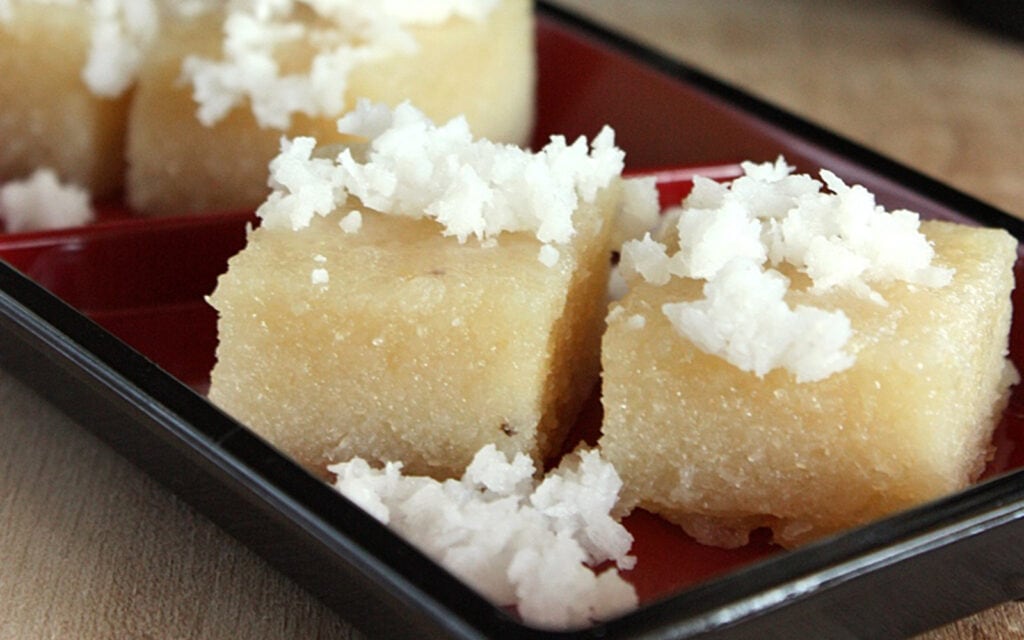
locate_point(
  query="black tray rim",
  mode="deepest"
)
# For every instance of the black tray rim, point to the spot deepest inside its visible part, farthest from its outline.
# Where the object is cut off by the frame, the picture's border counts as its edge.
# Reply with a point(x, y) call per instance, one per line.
point(44, 340)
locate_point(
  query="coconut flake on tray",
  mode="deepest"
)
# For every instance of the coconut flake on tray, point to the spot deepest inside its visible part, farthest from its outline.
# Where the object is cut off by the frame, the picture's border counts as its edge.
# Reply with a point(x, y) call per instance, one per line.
point(731, 235)
point(346, 33)
point(409, 166)
point(42, 202)
point(516, 540)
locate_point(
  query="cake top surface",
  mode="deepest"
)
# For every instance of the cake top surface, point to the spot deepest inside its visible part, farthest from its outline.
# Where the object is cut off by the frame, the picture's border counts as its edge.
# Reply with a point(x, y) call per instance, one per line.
point(515, 539)
point(42, 202)
point(406, 165)
point(733, 235)
point(344, 35)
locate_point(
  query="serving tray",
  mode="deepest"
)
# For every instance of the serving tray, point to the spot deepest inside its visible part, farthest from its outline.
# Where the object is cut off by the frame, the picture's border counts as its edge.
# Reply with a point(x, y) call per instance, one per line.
point(108, 321)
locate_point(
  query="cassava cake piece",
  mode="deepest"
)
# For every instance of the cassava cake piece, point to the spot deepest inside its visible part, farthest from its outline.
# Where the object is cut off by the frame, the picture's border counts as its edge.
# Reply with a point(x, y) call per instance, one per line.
point(803, 360)
point(421, 295)
point(63, 98)
point(217, 94)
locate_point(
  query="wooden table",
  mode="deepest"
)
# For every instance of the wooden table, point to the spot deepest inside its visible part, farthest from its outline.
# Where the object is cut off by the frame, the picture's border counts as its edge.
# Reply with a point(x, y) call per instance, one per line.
point(90, 547)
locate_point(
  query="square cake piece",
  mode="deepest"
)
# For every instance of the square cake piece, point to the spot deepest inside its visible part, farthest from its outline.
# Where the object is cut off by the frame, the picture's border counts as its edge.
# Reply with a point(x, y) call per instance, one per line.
point(396, 334)
point(722, 444)
point(397, 343)
point(215, 95)
point(50, 117)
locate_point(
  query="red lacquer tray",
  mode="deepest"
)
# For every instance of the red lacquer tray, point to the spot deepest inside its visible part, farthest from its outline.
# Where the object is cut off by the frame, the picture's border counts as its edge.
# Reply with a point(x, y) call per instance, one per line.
point(143, 281)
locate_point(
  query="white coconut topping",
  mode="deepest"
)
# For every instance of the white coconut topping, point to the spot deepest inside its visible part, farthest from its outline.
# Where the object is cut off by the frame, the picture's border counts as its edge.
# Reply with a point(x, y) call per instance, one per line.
point(548, 255)
point(345, 34)
point(43, 202)
point(744, 319)
point(731, 234)
point(411, 167)
point(122, 32)
point(516, 540)
point(639, 213)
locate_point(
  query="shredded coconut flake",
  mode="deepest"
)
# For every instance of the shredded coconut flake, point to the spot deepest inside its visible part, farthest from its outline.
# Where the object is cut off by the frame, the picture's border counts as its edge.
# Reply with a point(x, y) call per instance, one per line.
point(516, 540)
point(411, 167)
point(732, 234)
point(639, 211)
point(646, 258)
point(43, 202)
point(352, 222)
point(122, 32)
point(548, 255)
point(744, 319)
point(345, 34)
point(844, 239)
point(319, 276)
point(636, 322)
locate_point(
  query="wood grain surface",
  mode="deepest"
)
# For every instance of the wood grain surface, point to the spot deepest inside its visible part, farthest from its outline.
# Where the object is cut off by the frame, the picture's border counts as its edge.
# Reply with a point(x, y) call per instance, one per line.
point(90, 547)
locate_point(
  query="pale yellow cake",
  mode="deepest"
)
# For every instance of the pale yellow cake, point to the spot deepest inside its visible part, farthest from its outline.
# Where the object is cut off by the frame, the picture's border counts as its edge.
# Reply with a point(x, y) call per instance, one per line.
point(416, 348)
point(483, 69)
point(722, 451)
point(464, 308)
point(49, 118)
